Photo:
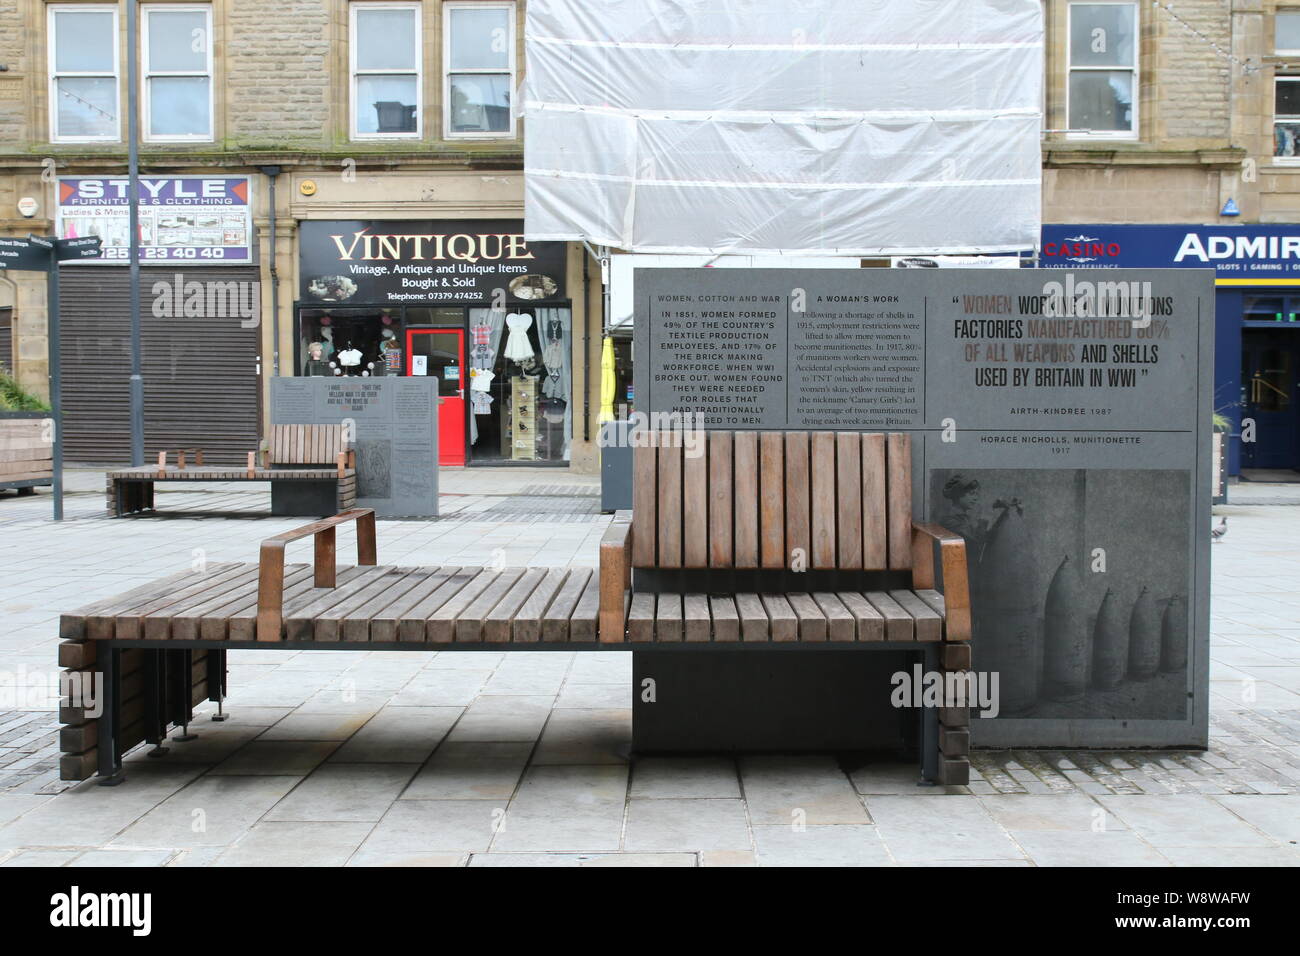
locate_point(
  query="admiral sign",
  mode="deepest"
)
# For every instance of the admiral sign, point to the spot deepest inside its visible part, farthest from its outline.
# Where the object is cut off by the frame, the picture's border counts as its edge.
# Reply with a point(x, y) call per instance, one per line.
point(199, 220)
point(1240, 255)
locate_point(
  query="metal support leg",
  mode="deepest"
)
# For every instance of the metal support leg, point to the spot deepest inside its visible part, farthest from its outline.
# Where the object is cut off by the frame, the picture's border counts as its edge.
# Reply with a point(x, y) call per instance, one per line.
point(930, 724)
point(155, 724)
point(109, 725)
point(185, 695)
point(217, 682)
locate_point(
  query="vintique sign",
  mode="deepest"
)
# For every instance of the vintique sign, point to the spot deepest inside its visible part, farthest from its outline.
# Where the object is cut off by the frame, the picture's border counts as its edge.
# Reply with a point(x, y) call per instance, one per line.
point(411, 261)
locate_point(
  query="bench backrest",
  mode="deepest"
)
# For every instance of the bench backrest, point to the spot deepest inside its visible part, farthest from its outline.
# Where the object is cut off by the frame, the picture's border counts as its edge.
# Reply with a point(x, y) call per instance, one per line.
point(748, 499)
point(306, 444)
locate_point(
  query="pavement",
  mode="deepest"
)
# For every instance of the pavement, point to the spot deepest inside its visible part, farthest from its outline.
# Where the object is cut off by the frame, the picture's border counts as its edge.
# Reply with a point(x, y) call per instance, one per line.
point(451, 759)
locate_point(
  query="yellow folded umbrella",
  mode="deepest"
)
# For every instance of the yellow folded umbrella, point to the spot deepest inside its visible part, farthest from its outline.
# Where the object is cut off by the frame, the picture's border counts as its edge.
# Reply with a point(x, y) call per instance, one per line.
point(607, 381)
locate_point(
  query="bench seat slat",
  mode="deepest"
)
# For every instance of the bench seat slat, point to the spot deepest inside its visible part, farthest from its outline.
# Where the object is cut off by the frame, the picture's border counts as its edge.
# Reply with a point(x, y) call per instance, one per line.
point(668, 617)
point(869, 623)
point(641, 618)
point(357, 620)
point(72, 626)
point(898, 623)
point(556, 618)
point(134, 623)
point(413, 623)
point(470, 624)
point(497, 623)
point(242, 624)
point(755, 625)
point(527, 624)
point(697, 624)
point(927, 624)
point(840, 625)
point(385, 621)
point(207, 619)
point(299, 625)
point(812, 622)
point(583, 623)
point(726, 620)
point(784, 622)
point(441, 624)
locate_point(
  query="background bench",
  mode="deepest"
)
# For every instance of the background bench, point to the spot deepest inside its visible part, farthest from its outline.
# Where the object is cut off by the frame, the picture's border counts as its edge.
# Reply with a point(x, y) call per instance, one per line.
point(311, 468)
point(26, 451)
point(765, 542)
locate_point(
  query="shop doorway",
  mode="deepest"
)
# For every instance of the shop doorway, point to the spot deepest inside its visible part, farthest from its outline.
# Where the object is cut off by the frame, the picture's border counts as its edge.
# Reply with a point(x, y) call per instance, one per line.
point(441, 352)
point(1270, 377)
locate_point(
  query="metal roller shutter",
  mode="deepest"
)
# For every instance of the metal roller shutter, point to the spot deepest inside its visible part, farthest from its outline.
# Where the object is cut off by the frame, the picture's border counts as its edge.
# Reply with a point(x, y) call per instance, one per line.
point(201, 381)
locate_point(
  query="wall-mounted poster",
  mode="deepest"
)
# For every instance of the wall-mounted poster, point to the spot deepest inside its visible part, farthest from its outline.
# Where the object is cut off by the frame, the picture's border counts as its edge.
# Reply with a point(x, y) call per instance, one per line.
point(199, 220)
point(1061, 424)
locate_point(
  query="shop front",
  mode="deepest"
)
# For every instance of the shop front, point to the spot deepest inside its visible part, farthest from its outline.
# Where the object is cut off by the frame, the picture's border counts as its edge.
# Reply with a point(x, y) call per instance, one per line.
point(1257, 319)
point(468, 302)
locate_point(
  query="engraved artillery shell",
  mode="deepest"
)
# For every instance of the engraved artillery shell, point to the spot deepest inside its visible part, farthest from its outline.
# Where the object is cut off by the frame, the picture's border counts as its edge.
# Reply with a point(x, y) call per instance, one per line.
point(1143, 638)
point(1173, 635)
point(1008, 610)
point(1109, 644)
point(1065, 637)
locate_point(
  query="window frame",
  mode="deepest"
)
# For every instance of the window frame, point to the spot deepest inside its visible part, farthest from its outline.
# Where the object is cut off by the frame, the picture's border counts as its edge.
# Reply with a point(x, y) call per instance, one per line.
point(512, 68)
point(1284, 51)
point(354, 8)
point(1135, 69)
point(1294, 121)
point(54, 75)
point(146, 73)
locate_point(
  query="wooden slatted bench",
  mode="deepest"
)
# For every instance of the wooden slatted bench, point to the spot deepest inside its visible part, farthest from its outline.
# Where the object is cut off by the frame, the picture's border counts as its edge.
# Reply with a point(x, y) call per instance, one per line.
point(26, 451)
point(292, 464)
point(790, 538)
point(765, 541)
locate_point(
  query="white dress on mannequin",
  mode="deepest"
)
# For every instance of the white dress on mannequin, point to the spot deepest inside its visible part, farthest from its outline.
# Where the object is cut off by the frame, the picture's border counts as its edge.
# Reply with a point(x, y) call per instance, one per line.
point(518, 348)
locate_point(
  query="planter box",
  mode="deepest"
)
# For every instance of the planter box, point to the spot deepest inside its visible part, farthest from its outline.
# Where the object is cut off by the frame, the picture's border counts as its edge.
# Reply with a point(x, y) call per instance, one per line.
point(26, 451)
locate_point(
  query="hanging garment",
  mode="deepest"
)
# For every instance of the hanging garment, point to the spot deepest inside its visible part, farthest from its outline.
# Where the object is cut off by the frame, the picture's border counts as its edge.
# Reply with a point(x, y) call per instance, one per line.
point(482, 334)
point(480, 379)
point(482, 356)
point(480, 402)
point(518, 347)
point(553, 359)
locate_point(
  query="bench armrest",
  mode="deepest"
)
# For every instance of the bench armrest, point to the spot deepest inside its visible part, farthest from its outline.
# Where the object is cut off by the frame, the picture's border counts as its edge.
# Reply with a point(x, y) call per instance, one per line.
point(270, 569)
point(956, 581)
point(615, 579)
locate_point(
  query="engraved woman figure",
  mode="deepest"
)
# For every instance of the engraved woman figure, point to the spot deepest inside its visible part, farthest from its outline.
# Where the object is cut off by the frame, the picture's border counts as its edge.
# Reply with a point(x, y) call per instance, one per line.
point(963, 495)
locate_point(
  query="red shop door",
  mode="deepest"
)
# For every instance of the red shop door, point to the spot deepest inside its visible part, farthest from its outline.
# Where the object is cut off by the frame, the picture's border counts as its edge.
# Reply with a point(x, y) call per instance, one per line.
point(441, 352)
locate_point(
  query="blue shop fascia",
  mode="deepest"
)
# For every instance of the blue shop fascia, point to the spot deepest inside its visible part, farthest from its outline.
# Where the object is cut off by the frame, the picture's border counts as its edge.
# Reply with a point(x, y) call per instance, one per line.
point(1257, 315)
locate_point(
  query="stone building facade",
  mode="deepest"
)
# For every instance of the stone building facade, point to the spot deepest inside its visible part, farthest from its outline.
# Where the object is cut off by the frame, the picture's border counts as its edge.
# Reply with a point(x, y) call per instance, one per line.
point(1159, 112)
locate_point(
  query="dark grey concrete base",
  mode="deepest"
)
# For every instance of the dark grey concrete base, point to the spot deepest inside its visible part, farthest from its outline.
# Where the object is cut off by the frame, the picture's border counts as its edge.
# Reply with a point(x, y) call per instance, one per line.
point(300, 498)
point(787, 701)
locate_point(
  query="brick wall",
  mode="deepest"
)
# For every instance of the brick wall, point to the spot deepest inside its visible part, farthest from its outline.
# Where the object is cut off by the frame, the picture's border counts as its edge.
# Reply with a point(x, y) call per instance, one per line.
point(1192, 71)
point(277, 69)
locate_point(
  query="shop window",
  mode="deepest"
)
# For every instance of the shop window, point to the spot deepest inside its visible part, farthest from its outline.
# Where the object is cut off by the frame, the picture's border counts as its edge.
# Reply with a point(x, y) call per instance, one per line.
point(84, 94)
point(1269, 308)
point(479, 69)
point(521, 384)
point(349, 342)
point(386, 73)
point(1103, 76)
point(177, 65)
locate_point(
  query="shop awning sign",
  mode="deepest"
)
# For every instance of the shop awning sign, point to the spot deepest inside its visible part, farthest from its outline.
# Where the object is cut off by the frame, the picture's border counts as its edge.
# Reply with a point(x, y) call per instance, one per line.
point(199, 220)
